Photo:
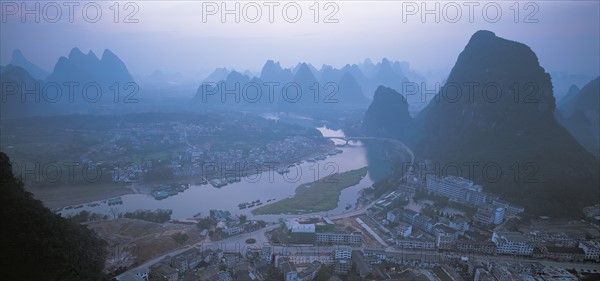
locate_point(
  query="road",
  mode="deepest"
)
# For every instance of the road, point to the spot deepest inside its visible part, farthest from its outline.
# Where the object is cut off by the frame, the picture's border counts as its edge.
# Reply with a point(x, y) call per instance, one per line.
point(231, 243)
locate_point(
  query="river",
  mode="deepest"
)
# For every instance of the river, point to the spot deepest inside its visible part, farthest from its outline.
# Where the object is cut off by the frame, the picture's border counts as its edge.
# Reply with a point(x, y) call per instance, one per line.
point(264, 186)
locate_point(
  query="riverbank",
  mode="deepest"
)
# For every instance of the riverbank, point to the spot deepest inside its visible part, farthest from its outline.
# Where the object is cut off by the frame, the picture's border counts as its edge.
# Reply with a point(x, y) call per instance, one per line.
point(318, 196)
point(67, 195)
point(60, 196)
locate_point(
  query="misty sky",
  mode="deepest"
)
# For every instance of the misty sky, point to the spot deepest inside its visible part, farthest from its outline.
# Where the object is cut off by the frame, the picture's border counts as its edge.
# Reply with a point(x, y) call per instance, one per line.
point(171, 36)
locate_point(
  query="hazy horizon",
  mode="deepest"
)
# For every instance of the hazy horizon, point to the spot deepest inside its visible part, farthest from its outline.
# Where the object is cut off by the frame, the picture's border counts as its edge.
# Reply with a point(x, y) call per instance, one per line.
point(181, 43)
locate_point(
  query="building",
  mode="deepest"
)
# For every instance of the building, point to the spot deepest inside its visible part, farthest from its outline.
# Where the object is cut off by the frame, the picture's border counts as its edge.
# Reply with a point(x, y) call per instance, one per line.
point(475, 197)
point(342, 252)
point(402, 230)
point(564, 253)
point(309, 273)
point(475, 247)
point(423, 222)
point(339, 238)
point(510, 209)
point(459, 223)
point(288, 269)
point(300, 231)
point(513, 243)
point(412, 243)
point(162, 272)
point(489, 214)
point(296, 226)
point(220, 215)
point(409, 216)
point(186, 260)
point(591, 249)
point(230, 228)
point(394, 215)
point(457, 189)
point(444, 236)
point(342, 259)
point(342, 266)
point(266, 253)
point(363, 268)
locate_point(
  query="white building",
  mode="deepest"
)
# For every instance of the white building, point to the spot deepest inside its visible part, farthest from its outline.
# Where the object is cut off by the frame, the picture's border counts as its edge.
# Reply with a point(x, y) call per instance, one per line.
point(403, 230)
point(457, 188)
point(489, 214)
point(512, 243)
point(343, 252)
point(415, 244)
point(296, 227)
point(591, 249)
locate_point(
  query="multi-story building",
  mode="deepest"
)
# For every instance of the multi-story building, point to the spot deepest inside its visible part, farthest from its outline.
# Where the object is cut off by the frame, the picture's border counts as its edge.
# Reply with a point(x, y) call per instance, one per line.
point(342, 259)
point(591, 249)
point(564, 253)
point(444, 236)
point(266, 254)
point(339, 238)
point(342, 252)
point(475, 247)
point(512, 243)
point(402, 230)
point(423, 222)
point(163, 272)
point(455, 188)
point(489, 214)
point(411, 243)
point(185, 261)
point(409, 216)
point(459, 223)
point(510, 209)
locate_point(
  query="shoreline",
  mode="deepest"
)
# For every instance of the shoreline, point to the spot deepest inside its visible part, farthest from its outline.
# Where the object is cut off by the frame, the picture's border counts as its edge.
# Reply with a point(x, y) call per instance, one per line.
point(58, 197)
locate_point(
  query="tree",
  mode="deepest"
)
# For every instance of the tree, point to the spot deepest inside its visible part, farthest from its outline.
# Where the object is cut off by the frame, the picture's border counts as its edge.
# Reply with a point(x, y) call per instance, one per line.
point(243, 218)
point(115, 212)
point(180, 237)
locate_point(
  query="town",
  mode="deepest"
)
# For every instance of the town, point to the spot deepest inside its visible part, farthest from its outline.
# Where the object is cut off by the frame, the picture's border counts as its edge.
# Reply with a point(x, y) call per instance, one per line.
point(427, 228)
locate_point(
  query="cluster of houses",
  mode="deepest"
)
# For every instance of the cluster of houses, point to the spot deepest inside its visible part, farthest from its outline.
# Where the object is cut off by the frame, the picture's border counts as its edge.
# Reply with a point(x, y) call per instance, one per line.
point(209, 264)
point(408, 229)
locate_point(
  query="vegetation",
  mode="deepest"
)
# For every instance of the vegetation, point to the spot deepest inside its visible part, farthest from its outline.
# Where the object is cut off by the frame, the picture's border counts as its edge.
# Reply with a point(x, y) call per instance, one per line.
point(40, 245)
point(206, 223)
point(250, 241)
point(158, 216)
point(180, 237)
point(316, 196)
point(85, 216)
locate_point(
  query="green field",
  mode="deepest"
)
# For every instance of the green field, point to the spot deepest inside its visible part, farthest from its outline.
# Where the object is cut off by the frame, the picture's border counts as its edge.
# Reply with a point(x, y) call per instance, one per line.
point(321, 195)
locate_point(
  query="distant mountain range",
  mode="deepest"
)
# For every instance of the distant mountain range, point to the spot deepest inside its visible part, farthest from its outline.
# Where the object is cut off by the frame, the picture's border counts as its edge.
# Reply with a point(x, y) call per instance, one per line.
point(293, 90)
point(53, 94)
point(579, 112)
point(86, 68)
point(541, 166)
point(355, 83)
point(35, 71)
